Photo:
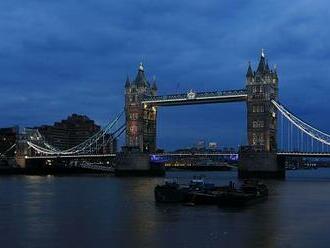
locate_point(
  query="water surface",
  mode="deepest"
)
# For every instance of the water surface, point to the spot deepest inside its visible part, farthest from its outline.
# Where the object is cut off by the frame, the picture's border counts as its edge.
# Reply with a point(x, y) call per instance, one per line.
point(104, 211)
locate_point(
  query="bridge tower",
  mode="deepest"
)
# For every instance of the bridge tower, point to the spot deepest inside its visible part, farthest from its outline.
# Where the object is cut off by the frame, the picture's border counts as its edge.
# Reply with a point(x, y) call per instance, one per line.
point(259, 158)
point(140, 119)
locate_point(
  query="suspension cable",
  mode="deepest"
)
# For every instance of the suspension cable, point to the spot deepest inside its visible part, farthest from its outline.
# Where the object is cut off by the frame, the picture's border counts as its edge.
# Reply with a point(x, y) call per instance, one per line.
point(300, 124)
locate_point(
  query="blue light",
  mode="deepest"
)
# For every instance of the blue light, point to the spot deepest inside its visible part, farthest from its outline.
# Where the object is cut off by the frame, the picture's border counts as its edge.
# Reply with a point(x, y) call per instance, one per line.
point(234, 157)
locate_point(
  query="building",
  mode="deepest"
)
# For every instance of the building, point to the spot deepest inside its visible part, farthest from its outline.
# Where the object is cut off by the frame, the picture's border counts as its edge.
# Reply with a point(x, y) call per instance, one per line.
point(259, 158)
point(213, 146)
point(8, 137)
point(73, 131)
point(262, 87)
point(200, 145)
point(140, 120)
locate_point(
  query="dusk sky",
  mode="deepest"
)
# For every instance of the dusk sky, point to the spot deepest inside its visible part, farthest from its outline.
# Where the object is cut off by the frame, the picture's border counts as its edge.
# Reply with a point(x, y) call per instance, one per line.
point(73, 56)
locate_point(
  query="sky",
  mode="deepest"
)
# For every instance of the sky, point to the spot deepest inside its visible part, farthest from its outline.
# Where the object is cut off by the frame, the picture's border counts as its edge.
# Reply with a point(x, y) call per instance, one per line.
point(73, 56)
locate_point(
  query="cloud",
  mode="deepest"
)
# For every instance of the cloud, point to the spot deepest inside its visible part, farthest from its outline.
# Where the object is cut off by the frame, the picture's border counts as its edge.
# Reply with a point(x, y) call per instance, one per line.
point(59, 57)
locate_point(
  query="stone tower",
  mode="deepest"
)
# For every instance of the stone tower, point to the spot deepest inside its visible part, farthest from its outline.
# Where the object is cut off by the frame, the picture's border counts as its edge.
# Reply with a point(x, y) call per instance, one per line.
point(259, 157)
point(140, 118)
point(262, 88)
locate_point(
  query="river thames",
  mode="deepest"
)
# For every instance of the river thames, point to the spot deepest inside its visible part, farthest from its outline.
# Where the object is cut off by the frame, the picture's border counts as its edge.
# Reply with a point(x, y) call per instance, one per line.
point(104, 211)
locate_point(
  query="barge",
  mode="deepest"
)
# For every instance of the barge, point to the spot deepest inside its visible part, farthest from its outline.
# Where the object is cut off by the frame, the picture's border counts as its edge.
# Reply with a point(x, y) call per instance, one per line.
point(197, 192)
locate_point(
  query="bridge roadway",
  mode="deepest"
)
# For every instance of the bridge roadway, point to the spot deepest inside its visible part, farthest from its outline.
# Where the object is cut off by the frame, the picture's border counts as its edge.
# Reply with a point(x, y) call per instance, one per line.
point(194, 154)
point(72, 156)
point(287, 154)
point(197, 98)
point(305, 154)
point(114, 155)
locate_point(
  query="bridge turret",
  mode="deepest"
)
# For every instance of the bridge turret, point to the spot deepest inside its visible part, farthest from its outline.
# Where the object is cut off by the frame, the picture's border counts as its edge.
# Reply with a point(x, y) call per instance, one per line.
point(274, 74)
point(262, 67)
point(262, 88)
point(140, 118)
point(154, 86)
point(127, 83)
point(249, 73)
point(141, 80)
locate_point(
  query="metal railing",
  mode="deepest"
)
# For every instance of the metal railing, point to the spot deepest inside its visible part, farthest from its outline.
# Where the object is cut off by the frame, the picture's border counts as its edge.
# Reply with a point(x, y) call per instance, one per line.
point(196, 95)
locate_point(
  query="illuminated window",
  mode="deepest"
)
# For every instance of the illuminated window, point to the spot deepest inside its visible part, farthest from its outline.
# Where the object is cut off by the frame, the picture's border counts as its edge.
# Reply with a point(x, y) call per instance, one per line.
point(258, 124)
point(254, 138)
point(262, 109)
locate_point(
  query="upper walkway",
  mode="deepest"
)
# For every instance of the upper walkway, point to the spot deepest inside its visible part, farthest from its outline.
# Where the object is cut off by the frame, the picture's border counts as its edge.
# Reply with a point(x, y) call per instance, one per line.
point(197, 98)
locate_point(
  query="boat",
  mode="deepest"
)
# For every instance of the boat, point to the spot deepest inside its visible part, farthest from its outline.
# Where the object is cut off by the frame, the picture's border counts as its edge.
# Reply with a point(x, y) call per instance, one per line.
point(250, 192)
point(197, 192)
point(203, 198)
point(172, 191)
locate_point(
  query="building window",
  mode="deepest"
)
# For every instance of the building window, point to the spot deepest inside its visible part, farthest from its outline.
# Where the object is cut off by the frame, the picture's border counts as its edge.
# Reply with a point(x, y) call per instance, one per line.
point(261, 109)
point(258, 108)
point(133, 129)
point(254, 139)
point(258, 124)
point(258, 139)
point(134, 116)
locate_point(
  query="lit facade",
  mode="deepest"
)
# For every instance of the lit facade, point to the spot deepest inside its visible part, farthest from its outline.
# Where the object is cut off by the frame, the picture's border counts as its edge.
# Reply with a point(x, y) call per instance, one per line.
point(262, 88)
point(140, 118)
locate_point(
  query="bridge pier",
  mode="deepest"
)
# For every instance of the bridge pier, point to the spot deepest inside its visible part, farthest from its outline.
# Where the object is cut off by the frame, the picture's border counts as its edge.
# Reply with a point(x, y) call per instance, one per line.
point(20, 161)
point(254, 164)
point(133, 162)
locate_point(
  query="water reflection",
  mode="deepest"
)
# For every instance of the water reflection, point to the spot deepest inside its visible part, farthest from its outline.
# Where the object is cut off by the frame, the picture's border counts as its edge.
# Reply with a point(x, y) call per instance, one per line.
point(91, 211)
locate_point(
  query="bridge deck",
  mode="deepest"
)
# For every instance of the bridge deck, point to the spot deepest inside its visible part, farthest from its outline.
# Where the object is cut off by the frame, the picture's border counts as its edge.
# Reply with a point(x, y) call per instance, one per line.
point(304, 154)
point(197, 98)
point(73, 156)
point(194, 154)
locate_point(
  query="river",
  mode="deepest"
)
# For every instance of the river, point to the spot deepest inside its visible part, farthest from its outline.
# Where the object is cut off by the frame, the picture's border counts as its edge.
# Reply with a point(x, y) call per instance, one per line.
point(105, 211)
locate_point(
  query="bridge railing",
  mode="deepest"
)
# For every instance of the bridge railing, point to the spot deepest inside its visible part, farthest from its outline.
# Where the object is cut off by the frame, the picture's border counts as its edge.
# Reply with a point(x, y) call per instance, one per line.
point(196, 95)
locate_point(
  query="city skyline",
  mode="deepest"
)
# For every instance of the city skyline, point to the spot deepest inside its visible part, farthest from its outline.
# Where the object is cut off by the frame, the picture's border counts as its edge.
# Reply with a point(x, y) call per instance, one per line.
point(57, 62)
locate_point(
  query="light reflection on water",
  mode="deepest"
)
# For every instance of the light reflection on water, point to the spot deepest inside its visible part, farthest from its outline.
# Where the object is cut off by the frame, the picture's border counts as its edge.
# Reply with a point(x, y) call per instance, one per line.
point(104, 211)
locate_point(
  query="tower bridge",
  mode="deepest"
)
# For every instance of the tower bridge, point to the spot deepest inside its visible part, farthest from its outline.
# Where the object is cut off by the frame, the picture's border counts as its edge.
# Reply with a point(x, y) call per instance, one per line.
point(273, 132)
point(142, 101)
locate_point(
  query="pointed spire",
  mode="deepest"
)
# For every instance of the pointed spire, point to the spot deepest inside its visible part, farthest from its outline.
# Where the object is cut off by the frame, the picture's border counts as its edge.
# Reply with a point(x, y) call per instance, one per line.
point(128, 82)
point(249, 72)
point(154, 85)
point(275, 71)
point(262, 63)
point(141, 68)
point(267, 66)
point(140, 79)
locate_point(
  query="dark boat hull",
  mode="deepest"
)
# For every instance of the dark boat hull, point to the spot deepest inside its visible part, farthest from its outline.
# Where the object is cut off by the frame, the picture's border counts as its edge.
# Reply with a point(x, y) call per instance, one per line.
point(201, 198)
point(211, 195)
point(239, 199)
point(170, 194)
